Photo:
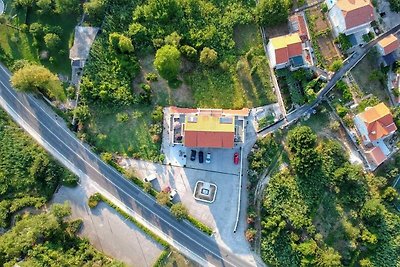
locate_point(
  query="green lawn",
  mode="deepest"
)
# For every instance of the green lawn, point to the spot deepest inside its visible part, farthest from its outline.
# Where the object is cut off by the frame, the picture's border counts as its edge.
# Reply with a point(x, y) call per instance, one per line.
point(17, 44)
point(361, 73)
point(130, 137)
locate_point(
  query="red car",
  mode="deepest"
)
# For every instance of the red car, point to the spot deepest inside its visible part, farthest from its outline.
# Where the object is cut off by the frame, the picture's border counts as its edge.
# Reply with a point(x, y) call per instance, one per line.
point(236, 158)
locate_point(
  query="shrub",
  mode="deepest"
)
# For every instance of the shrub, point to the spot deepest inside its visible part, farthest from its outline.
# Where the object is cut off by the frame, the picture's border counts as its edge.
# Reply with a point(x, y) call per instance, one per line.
point(336, 65)
point(324, 8)
point(199, 225)
point(94, 200)
point(151, 77)
point(179, 211)
point(122, 117)
point(208, 57)
point(107, 157)
point(52, 41)
point(341, 110)
point(189, 52)
point(157, 115)
point(163, 198)
point(147, 187)
point(250, 234)
point(167, 62)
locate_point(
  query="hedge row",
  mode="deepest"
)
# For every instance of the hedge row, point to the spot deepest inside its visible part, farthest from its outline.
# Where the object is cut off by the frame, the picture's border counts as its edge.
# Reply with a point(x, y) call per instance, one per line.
point(201, 226)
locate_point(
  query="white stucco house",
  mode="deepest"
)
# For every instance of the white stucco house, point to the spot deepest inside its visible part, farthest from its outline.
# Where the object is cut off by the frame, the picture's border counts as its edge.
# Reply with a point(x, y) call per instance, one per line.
point(286, 51)
point(374, 125)
point(350, 16)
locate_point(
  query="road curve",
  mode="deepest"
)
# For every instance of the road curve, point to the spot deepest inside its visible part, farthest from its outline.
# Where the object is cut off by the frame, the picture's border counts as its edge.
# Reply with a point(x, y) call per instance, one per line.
point(29, 113)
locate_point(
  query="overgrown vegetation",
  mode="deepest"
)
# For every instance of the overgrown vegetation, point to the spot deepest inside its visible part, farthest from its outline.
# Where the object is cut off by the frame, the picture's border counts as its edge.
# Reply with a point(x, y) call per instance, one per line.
point(28, 179)
point(28, 175)
point(207, 53)
point(323, 211)
point(298, 87)
point(264, 152)
point(49, 239)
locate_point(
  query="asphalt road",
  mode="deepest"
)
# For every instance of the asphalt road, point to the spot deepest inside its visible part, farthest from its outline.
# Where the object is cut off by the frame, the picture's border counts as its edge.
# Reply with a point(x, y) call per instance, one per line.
point(26, 109)
point(348, 65)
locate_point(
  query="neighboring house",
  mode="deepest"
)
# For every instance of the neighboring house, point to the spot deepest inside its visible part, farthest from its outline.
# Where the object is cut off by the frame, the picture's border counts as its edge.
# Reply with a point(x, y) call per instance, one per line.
point(286, 51)
point(83, 40)
point(387, 47)
point(374, 125)
point(298, 24)
point(350, 16)
point(216, 128)
point(1, 7)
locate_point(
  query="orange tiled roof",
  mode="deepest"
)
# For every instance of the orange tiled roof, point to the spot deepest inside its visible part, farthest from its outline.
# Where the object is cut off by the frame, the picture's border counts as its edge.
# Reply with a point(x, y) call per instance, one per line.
point(301, 24)
point(356, 12)
point(379, 121)
point(209, 139)
point(389, 44)
point(286, 47)
point(377, 155)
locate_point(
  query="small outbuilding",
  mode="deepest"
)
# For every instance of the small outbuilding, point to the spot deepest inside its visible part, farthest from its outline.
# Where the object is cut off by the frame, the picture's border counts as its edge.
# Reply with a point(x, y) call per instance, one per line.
point(1, 7)
point(83, 40)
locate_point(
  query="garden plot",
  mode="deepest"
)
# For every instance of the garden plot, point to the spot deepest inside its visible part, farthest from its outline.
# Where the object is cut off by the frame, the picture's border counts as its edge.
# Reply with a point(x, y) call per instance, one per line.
point(322, 39)
point(328, 49)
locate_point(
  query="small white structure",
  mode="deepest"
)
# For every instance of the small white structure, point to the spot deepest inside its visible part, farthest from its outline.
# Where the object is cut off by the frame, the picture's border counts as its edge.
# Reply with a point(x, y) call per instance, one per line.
point(205, 192)
point(350, 16)
point(1, 7)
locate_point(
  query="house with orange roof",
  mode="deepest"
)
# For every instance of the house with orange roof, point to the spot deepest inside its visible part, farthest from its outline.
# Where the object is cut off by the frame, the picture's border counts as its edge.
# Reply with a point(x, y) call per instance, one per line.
point(286, 51)
point(298, 24)
point(350, 16)
point(374, 125)
point(207, 128)
point(388, 47)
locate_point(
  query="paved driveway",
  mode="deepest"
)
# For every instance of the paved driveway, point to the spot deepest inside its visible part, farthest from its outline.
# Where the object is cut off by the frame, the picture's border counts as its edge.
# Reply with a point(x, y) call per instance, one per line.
point(221, 160)
point(108, 231)
point(221, 214)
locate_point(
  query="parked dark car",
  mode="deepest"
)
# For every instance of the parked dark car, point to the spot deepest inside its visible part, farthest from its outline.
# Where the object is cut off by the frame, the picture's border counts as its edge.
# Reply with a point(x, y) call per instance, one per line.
point(193, 155)
point(201, 157)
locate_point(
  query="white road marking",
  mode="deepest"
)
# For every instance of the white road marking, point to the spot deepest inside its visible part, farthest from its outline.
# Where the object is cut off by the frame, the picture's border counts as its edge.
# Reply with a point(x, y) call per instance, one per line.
point(12, 93)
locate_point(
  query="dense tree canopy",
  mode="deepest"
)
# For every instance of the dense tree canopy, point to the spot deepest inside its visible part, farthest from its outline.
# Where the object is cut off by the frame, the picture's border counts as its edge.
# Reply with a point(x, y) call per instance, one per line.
point(272, 12)
point(336, 215)
point(28, 176)
point(31, 78)
point(67, 6)
point(395, 5)
point(48, 240)
point(95, 9)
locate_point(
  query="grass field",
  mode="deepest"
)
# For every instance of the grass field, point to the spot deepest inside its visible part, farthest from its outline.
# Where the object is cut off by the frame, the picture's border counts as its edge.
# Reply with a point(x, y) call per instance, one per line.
point(361, 73)
point(130, 137)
